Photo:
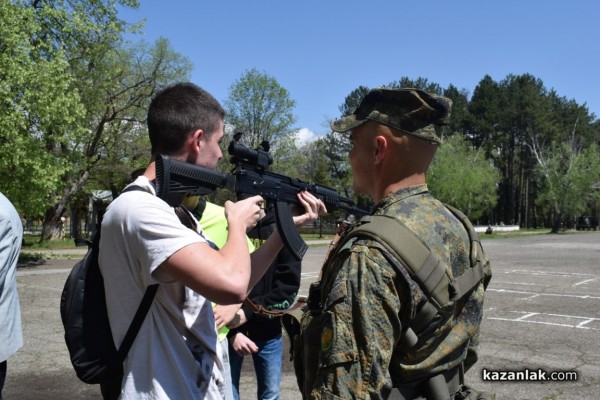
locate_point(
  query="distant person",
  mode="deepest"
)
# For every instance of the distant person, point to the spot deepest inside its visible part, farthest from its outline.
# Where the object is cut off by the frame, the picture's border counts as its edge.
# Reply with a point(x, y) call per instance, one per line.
point(11, 238)
point(176, 354)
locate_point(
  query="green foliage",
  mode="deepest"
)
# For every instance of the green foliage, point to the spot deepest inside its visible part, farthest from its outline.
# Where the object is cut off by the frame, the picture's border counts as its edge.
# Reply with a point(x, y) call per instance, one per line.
point(74, 97)
point(32, 242)
point(570, 179)
point(502, 125)
point(515, 121)
point(461, 177)
point(316, 169)
point(39, 113)
point(352, 101)
point(336, 147)
point(261, 108)
point(460, 109)
point(420, 83)
point(120, 135)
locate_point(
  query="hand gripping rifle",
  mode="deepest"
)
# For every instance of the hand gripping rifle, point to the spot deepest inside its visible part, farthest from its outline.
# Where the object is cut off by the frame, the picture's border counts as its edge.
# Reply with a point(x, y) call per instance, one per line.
point(176, 178)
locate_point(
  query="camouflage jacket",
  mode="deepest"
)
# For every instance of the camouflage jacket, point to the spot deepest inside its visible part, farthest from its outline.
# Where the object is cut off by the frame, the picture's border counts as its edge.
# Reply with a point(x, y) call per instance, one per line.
point(367, 303)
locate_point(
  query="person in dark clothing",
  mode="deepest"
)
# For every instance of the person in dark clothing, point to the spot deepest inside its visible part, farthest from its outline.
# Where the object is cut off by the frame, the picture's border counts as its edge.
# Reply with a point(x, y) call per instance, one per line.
point(260, 336)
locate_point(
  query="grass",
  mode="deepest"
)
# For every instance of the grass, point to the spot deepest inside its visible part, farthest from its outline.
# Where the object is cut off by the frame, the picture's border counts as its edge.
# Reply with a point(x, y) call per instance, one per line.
point(31, 242)
point(526, 232)
point(35, 252)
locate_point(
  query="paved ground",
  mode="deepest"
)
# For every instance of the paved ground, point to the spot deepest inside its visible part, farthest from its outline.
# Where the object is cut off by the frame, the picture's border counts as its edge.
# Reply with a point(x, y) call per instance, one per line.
point(542, 311)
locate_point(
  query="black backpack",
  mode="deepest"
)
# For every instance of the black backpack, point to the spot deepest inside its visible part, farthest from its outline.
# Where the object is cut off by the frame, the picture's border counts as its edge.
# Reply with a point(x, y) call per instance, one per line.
point(93, 353)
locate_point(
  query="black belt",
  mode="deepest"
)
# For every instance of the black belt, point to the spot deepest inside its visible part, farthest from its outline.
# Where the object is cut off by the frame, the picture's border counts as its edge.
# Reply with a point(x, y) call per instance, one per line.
point(438, 387)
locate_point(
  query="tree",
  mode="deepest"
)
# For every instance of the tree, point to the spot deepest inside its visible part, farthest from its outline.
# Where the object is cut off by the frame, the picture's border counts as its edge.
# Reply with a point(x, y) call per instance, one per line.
point(112, 83)
point(315, 167)
point(336, 146)
point(261, 108)
point(462, 177)
point(419, 83)
point(352, 101)
point(460, 109)
point(570, 176)
point(39, 113)
point(504, 119)
point(499, 122)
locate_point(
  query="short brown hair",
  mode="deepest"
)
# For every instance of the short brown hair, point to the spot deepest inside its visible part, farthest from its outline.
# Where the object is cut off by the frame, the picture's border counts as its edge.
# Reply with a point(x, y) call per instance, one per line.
point(178, 110)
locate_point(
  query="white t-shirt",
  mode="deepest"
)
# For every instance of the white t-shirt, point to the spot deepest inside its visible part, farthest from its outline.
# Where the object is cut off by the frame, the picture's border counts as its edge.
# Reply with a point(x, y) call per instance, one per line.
point(175, 354)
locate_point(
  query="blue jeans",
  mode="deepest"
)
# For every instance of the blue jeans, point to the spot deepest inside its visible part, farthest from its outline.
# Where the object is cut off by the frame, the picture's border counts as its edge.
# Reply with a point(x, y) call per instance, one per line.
point(267, 366)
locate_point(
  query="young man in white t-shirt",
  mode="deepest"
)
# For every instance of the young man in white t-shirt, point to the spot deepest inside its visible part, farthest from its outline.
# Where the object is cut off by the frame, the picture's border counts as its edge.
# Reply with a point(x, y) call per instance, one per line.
point(175, 354)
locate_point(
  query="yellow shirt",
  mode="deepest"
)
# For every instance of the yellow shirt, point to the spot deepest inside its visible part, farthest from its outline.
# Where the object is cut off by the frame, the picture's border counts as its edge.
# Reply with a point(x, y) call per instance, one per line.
point(214, 224)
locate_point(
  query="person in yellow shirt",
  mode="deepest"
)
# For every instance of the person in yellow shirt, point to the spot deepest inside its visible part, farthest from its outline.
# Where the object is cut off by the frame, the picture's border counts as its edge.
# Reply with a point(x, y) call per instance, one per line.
point(212, 221)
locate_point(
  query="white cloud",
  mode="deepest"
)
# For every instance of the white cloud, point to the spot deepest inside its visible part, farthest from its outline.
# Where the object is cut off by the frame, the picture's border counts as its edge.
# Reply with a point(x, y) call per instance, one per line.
point(305, 135)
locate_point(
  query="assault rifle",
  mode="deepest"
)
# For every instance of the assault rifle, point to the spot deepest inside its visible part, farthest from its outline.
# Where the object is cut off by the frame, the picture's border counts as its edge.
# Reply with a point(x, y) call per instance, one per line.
point(249, 176)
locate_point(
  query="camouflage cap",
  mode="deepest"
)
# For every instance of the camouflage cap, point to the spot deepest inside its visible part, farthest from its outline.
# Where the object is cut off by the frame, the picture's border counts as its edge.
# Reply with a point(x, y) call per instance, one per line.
point(412, 111)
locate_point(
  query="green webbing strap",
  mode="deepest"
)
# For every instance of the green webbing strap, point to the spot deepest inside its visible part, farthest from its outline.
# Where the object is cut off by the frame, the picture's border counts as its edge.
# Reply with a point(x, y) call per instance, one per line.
point(467, 281)
point(416, 257)
point(411, 251)
point(470, 278)
point(423, 266)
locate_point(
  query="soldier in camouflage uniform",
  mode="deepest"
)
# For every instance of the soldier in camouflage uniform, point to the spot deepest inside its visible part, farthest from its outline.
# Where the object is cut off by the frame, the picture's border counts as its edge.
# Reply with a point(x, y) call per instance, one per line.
point(367, 302)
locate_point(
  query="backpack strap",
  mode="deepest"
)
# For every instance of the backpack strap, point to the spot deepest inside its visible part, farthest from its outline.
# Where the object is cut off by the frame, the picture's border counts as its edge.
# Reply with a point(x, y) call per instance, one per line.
point(144, 306)
point(151, 290)
point(138, 319)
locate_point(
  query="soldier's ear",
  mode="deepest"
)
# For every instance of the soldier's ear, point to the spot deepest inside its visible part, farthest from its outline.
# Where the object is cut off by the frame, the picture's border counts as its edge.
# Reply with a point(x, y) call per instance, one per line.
point(380, 149)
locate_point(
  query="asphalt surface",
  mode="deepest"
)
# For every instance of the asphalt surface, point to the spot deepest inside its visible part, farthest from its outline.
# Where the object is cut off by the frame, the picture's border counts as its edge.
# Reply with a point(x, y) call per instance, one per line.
point(542, 316)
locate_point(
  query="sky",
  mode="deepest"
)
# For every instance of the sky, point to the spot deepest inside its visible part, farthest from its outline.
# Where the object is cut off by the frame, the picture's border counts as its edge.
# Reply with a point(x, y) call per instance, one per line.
point(322, 50)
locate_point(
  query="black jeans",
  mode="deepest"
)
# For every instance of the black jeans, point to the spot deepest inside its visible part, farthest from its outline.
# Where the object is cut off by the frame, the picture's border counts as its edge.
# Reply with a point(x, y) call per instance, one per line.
point(2, 376)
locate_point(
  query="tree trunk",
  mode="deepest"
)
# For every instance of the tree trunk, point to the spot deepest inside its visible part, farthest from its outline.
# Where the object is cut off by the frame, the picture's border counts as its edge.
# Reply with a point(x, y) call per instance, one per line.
point(52, 228)
point(556, 224)
point(52, 231)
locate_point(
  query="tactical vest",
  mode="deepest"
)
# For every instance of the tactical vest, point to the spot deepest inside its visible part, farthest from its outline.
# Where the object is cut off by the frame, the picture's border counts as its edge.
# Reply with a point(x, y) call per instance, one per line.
point(408, 251)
